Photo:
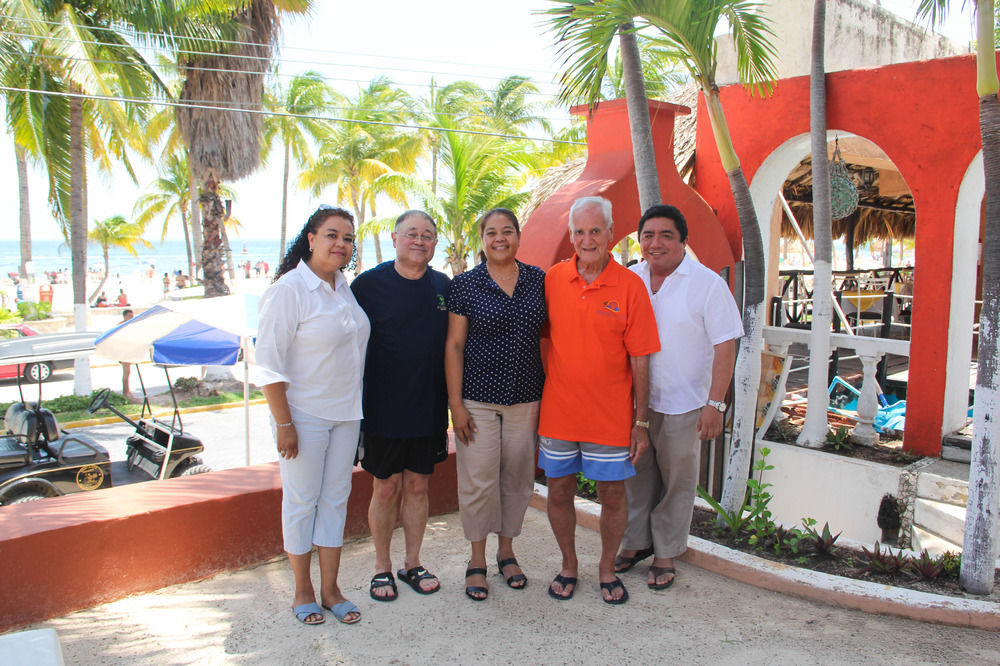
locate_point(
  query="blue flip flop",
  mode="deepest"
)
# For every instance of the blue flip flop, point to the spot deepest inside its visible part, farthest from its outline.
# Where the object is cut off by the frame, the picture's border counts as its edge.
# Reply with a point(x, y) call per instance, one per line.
point(341, 610)
point(303, 612)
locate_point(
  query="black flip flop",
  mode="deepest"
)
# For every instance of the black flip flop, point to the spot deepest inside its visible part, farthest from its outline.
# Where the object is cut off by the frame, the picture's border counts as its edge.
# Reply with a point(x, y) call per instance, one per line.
point(659, 571)
point(630, 562)
point(383, 579)
point(564, 581)
point(412, 577)
point(516, 578)
point(617, 582)
point(471, 590)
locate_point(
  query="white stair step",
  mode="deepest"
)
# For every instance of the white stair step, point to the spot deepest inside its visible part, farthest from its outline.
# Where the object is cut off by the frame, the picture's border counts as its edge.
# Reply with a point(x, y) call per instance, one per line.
point(932, 543)
point(943, 488)
point(941, 518)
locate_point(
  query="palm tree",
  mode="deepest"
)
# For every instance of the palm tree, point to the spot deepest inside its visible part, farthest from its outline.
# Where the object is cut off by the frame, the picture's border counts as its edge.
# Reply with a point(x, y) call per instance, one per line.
point(356, 153)
point(689, 26)
point(170, 197)
point(584, 31)
point(116, 231)
point(815, 427)
point(980, 546)
point(224, 144)
point(306, 95)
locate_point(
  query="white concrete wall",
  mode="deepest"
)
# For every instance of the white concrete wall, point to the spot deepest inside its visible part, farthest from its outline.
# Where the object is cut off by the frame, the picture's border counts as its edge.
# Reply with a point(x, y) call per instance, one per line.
point(842, 491)
point(858, 34)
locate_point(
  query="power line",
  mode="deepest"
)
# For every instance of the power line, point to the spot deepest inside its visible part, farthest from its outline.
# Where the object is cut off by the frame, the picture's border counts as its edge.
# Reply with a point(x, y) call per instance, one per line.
point(160, 35)
point(282, 114)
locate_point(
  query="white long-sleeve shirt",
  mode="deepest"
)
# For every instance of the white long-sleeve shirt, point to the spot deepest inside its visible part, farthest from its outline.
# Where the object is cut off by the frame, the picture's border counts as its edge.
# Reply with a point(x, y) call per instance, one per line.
point(313, 337)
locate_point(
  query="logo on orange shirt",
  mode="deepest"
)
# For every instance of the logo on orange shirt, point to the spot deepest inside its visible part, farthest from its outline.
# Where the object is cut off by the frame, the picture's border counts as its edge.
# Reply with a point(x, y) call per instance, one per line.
point(611, 306)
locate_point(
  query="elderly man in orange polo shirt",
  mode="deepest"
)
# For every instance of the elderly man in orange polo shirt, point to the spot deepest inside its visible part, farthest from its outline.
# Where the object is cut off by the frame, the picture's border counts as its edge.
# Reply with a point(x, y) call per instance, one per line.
point(594, 412)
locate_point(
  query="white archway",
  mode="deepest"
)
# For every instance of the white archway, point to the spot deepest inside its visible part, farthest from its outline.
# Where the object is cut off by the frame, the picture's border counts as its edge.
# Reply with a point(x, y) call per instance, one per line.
point(965, 261)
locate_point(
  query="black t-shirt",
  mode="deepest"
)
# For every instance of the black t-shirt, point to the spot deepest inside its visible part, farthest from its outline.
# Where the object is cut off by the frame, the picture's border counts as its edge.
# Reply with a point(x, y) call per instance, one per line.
point(405, 394)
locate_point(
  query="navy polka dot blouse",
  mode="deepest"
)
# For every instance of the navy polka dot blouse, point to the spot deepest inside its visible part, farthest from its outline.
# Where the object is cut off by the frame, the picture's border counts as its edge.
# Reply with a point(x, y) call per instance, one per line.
point(503, 362)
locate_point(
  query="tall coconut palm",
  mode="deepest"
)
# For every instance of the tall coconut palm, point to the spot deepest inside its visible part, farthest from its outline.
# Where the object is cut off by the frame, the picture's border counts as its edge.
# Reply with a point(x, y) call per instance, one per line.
point(224, 144)
point(294, 130)
point(458, 99)
point(357, 152)
point(980, 546)
point(170, 197)
point(116, 231)
point(815, 427)
point(689, 27)
point(584, 32)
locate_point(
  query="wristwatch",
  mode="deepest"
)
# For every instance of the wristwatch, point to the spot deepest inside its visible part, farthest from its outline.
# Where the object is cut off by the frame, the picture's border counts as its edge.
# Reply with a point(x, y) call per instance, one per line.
point(717, 404)
point(642, 424)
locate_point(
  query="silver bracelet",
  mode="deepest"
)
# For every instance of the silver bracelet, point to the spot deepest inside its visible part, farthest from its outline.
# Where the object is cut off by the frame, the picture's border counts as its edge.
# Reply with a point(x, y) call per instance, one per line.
point(284, 425)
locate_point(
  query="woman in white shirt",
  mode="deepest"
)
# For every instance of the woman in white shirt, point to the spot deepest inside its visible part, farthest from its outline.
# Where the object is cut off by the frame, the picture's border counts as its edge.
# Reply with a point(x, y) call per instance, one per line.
point(310, 350)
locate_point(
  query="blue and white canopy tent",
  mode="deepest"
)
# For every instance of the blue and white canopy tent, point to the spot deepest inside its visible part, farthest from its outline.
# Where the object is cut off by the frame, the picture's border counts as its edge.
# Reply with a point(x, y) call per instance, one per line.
point(207, 331)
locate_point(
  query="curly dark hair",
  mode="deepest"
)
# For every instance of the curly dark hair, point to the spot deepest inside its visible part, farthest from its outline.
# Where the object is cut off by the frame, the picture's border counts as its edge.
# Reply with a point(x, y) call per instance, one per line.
point(298, 249)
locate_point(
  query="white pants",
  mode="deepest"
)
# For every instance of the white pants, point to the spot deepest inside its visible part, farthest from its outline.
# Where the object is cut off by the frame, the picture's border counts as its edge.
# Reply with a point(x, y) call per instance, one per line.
point(316, 483)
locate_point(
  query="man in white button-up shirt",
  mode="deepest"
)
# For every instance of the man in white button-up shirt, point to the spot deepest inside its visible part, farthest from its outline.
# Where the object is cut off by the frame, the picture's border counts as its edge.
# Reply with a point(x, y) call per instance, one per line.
point(698, 324)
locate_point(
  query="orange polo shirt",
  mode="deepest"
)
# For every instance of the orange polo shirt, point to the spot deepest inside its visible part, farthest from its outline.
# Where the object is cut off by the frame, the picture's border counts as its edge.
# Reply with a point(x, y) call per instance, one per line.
point(594, 329)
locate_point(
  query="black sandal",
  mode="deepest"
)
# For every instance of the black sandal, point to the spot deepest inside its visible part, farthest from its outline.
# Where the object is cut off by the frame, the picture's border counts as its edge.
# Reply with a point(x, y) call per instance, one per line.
point(610, 587)
point(516, 578)
point(412, 577)
point(564, 581)
point(384, 579)
point(627, 563)
point(472, 590)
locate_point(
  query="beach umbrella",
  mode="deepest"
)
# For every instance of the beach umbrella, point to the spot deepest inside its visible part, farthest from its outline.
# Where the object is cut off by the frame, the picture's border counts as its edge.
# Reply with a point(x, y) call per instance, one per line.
point(206, 331)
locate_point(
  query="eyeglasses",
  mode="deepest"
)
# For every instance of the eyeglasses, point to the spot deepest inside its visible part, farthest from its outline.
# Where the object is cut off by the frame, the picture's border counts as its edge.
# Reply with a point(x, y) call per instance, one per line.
point(413, 237)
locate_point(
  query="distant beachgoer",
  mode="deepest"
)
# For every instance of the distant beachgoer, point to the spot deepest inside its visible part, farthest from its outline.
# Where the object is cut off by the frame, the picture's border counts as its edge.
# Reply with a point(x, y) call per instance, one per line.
point(126, 367)
point(166, 283)
point(310, 348)
point(102, 301)
point(122, 298)
point(496, 313)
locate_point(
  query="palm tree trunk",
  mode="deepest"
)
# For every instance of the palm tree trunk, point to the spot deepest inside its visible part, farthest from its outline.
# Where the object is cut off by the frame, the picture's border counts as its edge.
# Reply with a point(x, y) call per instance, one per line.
point(815, 427)
point(980, 544)
point(747, 376)
point(284, 205)
point(213, 214)
point(187, 241)
point(78, 236)
point(24, 216)
point(196, 241)
point(637, 102)
point(107, 268)
point(227, 248)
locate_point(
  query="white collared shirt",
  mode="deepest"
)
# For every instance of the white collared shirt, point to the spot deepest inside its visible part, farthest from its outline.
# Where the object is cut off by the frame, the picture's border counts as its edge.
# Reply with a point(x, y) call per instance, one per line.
point(694, 312)
point(313, 337)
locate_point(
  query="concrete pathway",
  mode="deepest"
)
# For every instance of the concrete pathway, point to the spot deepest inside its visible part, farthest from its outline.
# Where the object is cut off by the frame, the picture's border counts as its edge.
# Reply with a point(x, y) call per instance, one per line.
point(245, 618)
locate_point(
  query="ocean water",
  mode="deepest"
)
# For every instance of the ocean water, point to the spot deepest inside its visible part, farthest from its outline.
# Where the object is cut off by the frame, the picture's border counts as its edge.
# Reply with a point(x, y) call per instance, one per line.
point(49, 255)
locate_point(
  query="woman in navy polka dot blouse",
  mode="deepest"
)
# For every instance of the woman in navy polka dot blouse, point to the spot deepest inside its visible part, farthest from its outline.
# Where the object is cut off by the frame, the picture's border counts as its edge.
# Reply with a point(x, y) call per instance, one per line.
point(494, 370)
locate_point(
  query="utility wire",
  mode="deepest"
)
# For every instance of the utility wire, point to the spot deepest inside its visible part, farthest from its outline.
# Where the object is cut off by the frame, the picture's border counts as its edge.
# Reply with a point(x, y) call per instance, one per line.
point(165, 36)
point(282, 114)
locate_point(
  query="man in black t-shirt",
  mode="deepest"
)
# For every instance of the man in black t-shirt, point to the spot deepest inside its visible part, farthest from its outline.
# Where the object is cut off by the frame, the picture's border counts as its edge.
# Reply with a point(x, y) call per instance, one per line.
point(404, 431)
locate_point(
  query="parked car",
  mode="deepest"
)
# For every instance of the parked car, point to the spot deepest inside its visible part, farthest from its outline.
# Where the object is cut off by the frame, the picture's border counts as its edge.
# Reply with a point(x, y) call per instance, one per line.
point(21, 340)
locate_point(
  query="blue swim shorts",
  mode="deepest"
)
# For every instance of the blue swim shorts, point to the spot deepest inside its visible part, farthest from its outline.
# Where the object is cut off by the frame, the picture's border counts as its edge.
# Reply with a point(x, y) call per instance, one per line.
point(598, 462)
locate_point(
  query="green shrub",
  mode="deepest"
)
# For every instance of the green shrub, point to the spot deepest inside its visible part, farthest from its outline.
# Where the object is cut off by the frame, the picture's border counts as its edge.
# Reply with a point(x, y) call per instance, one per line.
point(31, 311)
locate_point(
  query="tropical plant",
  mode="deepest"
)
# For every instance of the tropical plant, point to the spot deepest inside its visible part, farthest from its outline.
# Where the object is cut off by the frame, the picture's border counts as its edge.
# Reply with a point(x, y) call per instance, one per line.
point(116, 231)
point(980, 546)
point(689, 27)
point(585, 31)
point(294, 127)
point(357, 154)
point(224, 144)
point(814, 428)
point(170, 197)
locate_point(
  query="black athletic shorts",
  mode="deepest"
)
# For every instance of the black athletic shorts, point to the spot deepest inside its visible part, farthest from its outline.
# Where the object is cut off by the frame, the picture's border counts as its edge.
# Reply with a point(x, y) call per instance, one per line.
point(384, 456)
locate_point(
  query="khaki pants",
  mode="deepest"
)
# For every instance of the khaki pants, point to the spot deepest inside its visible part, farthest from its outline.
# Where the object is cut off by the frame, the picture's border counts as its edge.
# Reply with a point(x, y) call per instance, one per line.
point(496, 472)
point(661, 494)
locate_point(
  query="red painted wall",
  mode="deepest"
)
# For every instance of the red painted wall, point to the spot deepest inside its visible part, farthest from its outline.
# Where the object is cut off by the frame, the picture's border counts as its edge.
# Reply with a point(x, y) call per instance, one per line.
point(66, 553)
point(924, 115)
point(610, 173)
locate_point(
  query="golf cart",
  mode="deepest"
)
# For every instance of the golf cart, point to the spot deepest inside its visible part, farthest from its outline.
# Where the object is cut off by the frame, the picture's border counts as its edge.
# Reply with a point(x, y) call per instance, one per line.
point(39, 460)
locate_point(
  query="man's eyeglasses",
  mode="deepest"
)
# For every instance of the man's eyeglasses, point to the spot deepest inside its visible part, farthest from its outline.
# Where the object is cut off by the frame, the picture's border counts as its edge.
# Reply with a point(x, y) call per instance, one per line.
point(413, 237)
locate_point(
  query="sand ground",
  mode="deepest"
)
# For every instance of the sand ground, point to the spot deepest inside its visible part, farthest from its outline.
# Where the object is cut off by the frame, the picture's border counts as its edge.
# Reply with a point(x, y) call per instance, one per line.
point(244, 617)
